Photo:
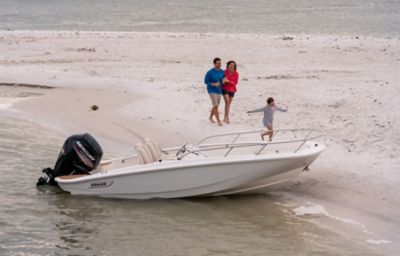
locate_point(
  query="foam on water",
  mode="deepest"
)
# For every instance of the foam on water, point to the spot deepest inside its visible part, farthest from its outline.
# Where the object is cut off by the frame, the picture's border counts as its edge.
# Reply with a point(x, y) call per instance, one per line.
point(310, 210)
point(377, 242)
point(316, 209)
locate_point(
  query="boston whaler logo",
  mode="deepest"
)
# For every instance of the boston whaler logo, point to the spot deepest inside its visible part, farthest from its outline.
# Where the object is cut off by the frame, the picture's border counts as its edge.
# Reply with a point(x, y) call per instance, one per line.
point(101, 184)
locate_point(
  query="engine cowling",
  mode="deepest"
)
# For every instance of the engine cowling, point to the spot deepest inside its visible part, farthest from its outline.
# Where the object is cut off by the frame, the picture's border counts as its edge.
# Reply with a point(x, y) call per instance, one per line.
point(80, 154)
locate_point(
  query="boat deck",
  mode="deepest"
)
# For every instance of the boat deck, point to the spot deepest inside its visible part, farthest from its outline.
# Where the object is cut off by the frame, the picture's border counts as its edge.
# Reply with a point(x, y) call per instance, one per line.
point(227, 145)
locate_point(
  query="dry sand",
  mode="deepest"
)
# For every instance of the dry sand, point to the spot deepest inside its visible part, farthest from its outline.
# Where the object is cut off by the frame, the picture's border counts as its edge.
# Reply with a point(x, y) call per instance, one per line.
point(348, 87)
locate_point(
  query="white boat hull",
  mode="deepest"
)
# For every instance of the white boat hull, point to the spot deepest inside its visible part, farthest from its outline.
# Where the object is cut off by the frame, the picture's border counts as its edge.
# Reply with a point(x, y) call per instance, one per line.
point(270, 182)
point(199, 177)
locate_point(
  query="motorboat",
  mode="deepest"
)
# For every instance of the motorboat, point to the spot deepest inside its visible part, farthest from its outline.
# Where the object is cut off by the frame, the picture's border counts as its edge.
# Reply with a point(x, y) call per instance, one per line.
point(222, 164)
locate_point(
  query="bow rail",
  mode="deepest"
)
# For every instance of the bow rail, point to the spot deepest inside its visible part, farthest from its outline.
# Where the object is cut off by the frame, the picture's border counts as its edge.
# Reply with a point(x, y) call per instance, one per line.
point(296, 137)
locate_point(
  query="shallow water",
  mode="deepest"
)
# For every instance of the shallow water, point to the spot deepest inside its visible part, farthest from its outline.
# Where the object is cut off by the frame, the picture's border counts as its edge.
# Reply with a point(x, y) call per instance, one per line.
point(359, 17)
point(47, 221)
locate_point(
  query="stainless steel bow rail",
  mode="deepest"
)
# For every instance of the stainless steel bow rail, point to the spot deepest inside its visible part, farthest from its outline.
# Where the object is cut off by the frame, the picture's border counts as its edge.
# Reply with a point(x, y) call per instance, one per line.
point(299, 136)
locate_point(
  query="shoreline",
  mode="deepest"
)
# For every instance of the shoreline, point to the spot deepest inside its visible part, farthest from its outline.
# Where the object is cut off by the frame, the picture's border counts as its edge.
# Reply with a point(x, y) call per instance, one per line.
point(153, 82)
point(283, 36)
point(48, 108)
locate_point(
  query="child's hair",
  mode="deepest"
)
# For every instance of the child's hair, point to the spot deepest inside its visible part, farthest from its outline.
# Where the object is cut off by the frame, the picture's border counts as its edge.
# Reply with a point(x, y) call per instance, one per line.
point(270, 100)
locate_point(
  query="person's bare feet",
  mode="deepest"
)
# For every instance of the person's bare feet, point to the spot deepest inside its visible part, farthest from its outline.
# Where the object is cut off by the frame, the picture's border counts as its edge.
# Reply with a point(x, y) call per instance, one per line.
point(226, 120)
point(211, 120)
point(219, 123)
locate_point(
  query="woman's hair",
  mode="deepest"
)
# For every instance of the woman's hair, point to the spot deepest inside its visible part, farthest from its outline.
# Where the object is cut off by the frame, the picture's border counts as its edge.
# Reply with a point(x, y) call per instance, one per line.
point(270, 100)
point(229, 62)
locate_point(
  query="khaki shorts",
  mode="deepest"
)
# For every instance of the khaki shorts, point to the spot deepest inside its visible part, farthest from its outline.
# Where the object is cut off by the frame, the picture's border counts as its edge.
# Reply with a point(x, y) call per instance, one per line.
point(215, 99)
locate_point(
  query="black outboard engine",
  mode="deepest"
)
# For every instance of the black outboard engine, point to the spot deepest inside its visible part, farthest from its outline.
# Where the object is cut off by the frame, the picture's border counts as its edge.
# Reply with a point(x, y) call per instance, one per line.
point(80, 154)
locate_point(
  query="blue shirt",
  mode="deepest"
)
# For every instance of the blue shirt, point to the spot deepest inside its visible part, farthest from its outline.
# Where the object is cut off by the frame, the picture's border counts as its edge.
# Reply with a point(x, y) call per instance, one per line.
point(213, 76)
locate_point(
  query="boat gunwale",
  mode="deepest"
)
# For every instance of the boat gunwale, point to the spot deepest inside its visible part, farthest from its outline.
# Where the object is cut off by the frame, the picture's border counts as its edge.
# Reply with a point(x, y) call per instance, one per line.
point(181, 164)
point(233, 144)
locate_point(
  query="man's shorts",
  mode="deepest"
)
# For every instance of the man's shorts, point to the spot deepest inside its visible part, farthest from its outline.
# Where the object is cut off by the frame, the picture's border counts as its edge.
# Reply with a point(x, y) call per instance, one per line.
point(215, 99)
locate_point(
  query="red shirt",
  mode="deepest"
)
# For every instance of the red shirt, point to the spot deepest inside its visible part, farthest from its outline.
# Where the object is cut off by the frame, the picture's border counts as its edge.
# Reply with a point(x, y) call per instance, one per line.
point(233, 80)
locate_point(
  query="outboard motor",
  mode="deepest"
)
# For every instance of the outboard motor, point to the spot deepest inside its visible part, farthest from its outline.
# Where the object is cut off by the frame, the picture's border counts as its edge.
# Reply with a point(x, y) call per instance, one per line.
point(80, 154)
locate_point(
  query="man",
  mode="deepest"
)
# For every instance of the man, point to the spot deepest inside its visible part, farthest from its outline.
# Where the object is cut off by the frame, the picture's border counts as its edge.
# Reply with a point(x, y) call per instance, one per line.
point(213, 80)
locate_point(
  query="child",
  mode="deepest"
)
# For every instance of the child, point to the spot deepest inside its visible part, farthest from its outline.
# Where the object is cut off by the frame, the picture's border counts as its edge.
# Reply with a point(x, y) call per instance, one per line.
point(269, 111)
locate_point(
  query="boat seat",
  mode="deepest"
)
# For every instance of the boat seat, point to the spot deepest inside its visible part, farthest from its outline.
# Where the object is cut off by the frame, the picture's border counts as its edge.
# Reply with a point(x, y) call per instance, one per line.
point(154, 149)
point(149, 152)
point(144, 154)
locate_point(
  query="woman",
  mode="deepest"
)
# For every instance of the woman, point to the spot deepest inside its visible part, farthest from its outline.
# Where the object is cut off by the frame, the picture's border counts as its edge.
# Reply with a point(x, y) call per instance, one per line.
point(229, 86)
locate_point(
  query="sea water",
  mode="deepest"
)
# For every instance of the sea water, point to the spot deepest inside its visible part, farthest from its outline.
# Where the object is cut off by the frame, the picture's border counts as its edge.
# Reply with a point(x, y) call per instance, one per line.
point(354, 17)
point(47, 221)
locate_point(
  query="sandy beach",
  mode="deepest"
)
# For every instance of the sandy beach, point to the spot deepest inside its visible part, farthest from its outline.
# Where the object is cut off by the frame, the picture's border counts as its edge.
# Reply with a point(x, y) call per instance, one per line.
point(345, 86)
